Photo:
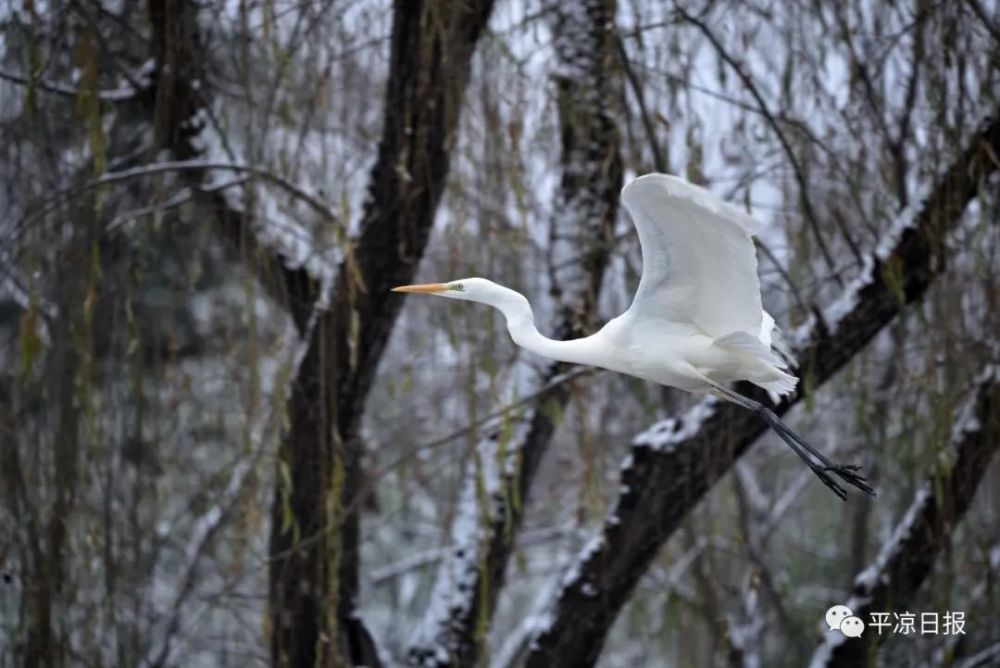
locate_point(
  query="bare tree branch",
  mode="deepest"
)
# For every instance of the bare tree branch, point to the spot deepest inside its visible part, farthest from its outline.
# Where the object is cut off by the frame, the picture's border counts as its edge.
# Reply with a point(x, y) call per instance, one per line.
point(793, 159)
point(659, 159)
point(203, 166)
point(120, 95)
point(178, 97)
point(673, 464)
point(905, 561)
point(991, 26)
point(483, 534)
point(313, 584)
point(313, 587)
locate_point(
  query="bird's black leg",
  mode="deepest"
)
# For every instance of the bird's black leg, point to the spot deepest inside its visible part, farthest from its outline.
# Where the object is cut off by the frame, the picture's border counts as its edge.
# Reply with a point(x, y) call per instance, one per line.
point(846, 472)
point(817, 462)
point(820, 471)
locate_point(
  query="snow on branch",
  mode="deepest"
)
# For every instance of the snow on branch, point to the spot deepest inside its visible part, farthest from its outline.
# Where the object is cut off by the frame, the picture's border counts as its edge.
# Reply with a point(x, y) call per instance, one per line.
point(483, 534)
point(674, 463)
point(906, 559)
point(312, 201)
point(430, 65)
point(287, 243)
point(480, 539)
point(479, 508)
point(292, 270)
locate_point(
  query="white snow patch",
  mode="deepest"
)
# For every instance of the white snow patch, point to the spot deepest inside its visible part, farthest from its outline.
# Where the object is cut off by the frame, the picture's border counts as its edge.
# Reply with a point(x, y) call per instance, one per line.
point(455, 583)
point(540, 623)
point(593, 546)
point(831, 641)
point(848, 301)
point(668, 433)
point(867, 579)
point(966, 421)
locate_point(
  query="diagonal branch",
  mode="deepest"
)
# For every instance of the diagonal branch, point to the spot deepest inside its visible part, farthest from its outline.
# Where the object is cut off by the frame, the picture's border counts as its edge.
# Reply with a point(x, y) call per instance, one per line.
point(989, 24)
point(793, 160)
point(659, 159)
point(176, 105)
point(315, 527)
point(491, 506)
point(117, 95)
point(674, 464)
point(906, 559)
point(315, 524)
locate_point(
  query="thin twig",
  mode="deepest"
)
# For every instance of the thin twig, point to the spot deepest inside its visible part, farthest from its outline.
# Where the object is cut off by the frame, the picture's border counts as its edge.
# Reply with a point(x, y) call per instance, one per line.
point(370, 481)
point(783, 273)
point(211, 522)
point(188, 165)
point(659, 160)
point(980, 12)
point(119, 95)
point(110, 178)
point(772, 121)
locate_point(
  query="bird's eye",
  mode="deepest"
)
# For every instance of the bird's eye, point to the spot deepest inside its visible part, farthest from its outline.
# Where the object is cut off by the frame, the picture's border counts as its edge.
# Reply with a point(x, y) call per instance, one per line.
point(456, 286)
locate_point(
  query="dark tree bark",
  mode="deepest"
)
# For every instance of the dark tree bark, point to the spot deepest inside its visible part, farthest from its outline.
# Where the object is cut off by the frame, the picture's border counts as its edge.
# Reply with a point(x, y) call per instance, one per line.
point(46, 576)
point(176, 95)
point(314, 540)
point(892, 580)
point(472, 576)
point(663, 483)
point(315, 524)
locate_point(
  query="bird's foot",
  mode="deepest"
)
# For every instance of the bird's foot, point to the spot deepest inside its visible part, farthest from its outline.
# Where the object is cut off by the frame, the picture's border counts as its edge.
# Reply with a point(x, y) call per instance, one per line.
point(846, 472)
point(821, 473)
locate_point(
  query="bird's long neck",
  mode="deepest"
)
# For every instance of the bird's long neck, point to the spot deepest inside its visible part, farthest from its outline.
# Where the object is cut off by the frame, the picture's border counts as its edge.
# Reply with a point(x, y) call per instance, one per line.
point(521, 325)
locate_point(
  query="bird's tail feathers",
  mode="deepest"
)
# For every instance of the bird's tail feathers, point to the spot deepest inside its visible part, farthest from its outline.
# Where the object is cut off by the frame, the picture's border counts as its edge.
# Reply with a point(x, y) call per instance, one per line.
point(775, 380)
point(771, 336)
point(749, 343)
point(780, 345)
point(785, 384)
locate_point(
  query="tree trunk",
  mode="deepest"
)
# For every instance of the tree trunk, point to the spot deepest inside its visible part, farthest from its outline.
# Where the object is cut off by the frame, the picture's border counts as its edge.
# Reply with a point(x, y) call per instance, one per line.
point(315, 519)
point(674, 464)
point(472, 575)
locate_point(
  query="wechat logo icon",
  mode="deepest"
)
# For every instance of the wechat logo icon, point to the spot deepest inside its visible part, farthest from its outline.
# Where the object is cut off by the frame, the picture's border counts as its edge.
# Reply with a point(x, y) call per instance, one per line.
point(840, 618)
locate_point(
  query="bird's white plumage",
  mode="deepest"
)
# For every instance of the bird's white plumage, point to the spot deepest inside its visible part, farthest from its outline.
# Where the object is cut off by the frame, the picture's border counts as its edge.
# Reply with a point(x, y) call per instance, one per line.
point(699, 264)
point(696, 322)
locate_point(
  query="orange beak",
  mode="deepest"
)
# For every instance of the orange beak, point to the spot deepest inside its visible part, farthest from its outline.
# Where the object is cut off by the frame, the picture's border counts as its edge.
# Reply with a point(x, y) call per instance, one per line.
point(426, 287)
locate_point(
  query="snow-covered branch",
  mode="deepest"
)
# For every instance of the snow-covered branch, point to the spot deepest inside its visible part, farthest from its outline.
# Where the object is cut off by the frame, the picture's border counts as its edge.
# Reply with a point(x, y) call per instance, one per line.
point(674, 463)
point(906, 559)
point(483, 534)
point(431, 50)
point(212, 521)
point(316, 204)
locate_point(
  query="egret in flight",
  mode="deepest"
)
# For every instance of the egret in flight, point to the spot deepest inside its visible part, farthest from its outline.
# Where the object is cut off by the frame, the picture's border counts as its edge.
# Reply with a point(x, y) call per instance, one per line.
point(696, 322)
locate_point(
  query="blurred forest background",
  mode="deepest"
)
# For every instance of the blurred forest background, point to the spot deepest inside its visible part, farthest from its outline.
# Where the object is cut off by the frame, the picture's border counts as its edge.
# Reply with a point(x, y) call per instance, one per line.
point(223, 441)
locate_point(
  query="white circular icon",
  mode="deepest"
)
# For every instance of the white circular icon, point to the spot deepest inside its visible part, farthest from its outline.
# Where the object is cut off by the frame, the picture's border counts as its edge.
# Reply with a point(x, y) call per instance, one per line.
point(837, 614)
point(852, 627)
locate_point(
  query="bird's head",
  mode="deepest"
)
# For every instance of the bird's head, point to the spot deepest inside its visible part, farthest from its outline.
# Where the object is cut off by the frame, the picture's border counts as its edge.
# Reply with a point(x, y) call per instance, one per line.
point(469, 289)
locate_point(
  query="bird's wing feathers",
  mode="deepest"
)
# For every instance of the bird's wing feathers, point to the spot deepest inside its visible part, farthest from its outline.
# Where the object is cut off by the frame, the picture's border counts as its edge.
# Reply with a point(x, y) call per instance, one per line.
point(699, 264)
point(771, 336)
point(752, 344)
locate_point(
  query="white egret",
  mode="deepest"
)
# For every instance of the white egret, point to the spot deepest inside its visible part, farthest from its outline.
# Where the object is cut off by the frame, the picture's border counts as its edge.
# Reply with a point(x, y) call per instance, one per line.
point(696, 321)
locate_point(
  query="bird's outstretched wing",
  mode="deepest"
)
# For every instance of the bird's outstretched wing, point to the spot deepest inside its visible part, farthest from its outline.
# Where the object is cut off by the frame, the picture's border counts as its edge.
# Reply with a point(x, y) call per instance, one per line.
point(699, 265)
